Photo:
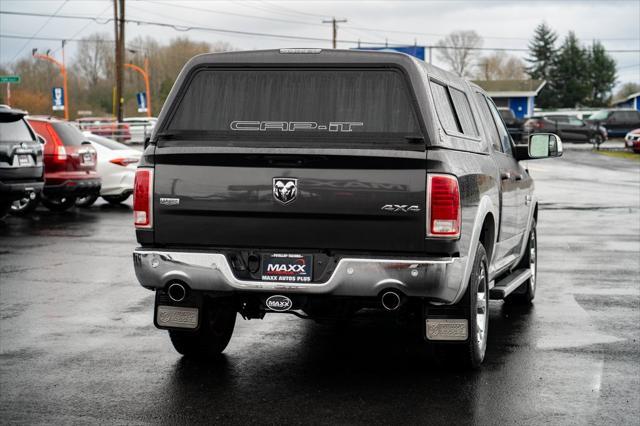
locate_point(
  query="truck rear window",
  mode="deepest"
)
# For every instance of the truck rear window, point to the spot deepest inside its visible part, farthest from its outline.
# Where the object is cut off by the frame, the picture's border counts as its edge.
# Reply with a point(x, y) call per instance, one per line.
point(300, 104)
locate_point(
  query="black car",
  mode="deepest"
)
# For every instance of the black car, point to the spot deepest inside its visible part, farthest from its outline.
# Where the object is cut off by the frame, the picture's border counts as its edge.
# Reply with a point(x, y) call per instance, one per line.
point(324, 183)
point(618, 122)
point(513, 123)
point(568, 127)
point(21, 167)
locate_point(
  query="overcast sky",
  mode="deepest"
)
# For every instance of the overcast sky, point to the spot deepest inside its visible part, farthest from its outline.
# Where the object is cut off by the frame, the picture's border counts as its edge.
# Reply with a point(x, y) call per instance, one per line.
point(505, 24)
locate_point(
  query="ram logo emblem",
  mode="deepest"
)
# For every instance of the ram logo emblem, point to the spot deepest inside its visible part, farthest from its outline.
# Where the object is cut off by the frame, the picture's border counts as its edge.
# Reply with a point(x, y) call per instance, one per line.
point(285, 190)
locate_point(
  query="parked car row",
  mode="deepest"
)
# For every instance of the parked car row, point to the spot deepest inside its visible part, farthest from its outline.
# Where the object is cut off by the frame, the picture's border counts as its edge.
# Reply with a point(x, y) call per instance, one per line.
point(569, 128)
point(50, 161)
point(574, 126)
point(131, 129)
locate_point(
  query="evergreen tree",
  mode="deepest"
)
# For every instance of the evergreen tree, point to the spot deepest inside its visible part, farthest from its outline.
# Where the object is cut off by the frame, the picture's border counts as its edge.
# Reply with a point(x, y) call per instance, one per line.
point(541, 57)
point(570, 75)
point(602, 75)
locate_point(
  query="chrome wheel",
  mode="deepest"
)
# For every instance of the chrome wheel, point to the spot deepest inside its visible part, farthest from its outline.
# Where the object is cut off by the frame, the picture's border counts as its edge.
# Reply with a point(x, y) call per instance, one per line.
point(482, 308)
point(19, 205)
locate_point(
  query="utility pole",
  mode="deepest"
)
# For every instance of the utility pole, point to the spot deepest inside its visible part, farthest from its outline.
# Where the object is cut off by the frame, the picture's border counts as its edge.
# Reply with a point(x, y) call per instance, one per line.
point(119, 19)
point(118, 87)
point(335, 23)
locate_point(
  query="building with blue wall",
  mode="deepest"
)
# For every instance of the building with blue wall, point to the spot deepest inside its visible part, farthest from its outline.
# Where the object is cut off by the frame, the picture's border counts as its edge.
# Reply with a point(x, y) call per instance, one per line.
point(631, 101)
point(517, 95)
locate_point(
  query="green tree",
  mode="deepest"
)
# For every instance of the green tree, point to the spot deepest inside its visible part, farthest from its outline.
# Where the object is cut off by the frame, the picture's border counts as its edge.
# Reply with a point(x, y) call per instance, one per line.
point(602, 75)
point(542, 52)
point(570, 76)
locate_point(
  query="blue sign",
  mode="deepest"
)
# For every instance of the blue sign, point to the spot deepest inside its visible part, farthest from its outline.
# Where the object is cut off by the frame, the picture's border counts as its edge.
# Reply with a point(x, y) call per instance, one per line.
point(416, 51)
point(141, 97)
point(57, 98)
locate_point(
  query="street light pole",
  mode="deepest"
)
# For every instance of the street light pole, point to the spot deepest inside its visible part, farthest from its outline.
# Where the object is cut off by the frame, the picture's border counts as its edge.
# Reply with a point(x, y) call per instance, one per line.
point(63, 71)
point(145, 74)
point(64, 84)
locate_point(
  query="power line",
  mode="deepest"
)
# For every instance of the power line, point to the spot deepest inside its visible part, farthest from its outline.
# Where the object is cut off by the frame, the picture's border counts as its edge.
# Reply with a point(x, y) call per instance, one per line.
point(44, 15)
point(376, 30)
point(243, 15)
point(83, 28)
point(186, 28)
point(290, 10)
point(25, 37)
point(40, 29)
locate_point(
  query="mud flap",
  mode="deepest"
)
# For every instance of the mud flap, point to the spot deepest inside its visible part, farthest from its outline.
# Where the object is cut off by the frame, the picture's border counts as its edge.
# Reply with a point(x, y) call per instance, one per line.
point(185, 315)
point(445, 324)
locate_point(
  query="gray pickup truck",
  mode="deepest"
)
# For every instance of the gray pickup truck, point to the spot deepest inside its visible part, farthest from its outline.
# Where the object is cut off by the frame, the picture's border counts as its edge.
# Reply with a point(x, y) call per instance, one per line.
point(325, 183)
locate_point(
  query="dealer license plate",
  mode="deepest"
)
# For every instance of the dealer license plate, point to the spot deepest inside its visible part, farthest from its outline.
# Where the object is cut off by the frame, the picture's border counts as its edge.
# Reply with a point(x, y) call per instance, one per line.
point(292, 268)
point(24, 160)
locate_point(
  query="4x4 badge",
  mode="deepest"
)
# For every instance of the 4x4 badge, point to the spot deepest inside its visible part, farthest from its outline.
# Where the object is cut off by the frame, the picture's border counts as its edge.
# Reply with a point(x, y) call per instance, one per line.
point(285, 190)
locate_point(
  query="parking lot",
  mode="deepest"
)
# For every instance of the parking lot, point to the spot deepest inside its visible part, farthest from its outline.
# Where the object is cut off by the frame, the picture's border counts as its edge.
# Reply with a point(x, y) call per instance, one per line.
point(77, 341)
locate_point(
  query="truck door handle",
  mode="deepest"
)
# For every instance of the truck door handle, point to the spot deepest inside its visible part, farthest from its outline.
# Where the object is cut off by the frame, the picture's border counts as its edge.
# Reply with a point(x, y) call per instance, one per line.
point(518, 177)
point(505, 175)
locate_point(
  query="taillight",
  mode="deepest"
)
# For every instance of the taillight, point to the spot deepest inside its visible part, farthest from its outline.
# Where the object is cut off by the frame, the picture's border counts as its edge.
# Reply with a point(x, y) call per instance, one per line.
point(143, 198)
point(61, 153)
point(443, 206)
point(124, 162)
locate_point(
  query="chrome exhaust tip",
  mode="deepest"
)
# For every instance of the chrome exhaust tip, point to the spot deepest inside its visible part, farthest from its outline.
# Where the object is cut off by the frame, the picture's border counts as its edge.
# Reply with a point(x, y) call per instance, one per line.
point(177, 292)
point(391, 300)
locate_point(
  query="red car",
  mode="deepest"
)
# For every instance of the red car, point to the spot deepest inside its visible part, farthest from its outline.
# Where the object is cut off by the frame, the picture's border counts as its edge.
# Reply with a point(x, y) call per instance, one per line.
point(632, 140)
point(69, 166)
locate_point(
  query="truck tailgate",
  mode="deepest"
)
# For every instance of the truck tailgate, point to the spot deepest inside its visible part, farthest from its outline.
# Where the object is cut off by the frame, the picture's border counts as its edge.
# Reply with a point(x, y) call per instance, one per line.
point(248, 200)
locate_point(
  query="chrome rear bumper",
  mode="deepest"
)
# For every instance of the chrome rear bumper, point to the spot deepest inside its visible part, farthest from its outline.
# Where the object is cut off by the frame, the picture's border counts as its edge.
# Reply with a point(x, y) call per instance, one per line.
point(438, 279)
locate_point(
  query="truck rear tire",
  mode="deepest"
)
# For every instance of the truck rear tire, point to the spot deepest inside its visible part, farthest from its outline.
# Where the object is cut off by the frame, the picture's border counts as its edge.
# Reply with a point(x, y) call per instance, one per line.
point(470, 354)
point(525, 294)
point(218, 322)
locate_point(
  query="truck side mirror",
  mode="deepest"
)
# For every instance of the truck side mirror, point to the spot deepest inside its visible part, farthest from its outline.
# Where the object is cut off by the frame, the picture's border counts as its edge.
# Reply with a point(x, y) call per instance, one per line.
point(544, 145)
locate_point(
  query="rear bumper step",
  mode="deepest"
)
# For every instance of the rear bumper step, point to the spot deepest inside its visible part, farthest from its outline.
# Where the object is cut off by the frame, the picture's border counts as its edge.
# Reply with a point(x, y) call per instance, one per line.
point(435, 278)
point(509, 284)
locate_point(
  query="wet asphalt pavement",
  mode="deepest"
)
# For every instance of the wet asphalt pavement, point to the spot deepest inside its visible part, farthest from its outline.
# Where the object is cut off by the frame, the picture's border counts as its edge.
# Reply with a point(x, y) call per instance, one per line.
point(77, 343)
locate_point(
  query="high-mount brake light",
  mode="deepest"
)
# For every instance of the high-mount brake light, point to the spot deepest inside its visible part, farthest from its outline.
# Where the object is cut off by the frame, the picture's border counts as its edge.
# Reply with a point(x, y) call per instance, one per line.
point(304, 51)
point(143, 198)
point(443, 206)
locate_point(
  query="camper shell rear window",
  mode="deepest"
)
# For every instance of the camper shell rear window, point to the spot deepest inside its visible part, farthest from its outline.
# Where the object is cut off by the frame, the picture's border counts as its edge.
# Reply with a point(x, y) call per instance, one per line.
point(319, 106)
